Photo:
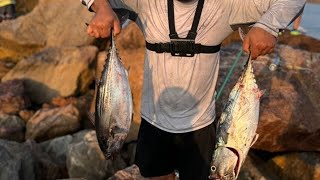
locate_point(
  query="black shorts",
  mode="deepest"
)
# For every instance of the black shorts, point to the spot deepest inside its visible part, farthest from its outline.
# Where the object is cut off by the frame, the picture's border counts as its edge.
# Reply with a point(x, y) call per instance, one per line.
point(160, 153)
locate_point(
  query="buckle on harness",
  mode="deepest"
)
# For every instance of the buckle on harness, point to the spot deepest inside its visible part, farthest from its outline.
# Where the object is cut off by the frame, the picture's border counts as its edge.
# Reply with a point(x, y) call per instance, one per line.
point(182, 47)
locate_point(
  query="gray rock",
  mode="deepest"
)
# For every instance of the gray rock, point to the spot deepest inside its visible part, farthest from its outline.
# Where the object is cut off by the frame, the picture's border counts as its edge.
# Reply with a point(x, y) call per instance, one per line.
point(86, 160)
point(11, 127)
point(57, 148)
point(16, 161)
point(50, 123)
point(46, 167)
point(55, 72)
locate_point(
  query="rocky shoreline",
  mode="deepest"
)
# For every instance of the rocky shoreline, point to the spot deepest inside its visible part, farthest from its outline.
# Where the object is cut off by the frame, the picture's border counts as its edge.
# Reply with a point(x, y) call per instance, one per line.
point(47, 72)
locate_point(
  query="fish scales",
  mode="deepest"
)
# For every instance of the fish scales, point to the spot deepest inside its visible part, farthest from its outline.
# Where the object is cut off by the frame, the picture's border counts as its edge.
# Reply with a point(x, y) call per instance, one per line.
point(236, 128)
point(114, 105)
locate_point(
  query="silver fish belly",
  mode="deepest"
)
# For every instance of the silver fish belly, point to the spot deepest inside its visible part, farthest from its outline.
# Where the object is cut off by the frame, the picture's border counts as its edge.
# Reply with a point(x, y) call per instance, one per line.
point(236, 128)
point(114, 105)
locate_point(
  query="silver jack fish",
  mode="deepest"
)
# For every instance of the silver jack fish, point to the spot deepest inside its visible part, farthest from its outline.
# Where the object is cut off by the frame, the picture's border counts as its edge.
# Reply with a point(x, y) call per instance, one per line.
point(236, 129)
point(113, 114)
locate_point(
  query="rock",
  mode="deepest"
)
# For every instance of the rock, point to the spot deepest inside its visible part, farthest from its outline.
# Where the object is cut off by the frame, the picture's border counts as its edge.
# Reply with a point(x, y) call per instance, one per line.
point(12, 97)
point(55, 72)
point(290, 108)
point(26, 115)
point(5, 67)
point(51, 123)
point(11, 128)
point(46, 168)
point(256, 168)
point(300, 165)
point(82, 103)
point(57, 148)
point(86, 160)
point(17, 161)
point(46, 25)
point(25, 6)
point(131, 173)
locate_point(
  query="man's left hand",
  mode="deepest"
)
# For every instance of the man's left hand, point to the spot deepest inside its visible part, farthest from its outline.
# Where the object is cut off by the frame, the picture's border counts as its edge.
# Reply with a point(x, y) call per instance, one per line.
point(258, 42)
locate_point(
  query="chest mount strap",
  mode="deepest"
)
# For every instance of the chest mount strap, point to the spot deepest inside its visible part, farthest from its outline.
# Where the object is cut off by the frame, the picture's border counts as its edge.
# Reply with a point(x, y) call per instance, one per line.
point(185, 47)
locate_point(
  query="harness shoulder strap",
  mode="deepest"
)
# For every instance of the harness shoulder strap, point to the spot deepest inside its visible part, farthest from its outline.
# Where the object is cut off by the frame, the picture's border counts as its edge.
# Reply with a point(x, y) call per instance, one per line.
point(173, 33)
point(193, 31)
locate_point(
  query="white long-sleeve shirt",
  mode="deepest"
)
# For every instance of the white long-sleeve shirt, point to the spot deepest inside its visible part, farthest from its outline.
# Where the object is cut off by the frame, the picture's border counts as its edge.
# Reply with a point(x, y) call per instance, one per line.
point(178, 92)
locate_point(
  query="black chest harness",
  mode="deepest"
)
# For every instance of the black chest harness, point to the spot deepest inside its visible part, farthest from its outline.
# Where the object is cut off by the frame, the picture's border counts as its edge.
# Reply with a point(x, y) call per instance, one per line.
point(183, 46)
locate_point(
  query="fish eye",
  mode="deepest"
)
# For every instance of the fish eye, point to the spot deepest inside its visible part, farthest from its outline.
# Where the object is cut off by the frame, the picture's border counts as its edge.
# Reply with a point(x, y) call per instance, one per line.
point(213, 168)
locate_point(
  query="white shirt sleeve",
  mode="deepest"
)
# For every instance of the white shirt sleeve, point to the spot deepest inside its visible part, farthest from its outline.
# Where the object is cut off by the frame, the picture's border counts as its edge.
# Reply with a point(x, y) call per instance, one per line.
point(87, 3)
point(132, 5)
point(270, 15)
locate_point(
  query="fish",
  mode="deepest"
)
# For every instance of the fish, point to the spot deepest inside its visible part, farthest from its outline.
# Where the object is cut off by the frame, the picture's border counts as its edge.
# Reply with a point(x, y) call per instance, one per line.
point(236, 128)
point(114, 104)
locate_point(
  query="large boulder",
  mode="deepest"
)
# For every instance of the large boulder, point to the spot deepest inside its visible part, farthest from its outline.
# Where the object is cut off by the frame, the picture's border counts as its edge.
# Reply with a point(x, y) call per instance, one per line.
point(57, 148)
point(290, 107)
point(17, 161)
point(51, 23)
point(55, 72)
point(86, 160)
point(290, 110)
point(50, 123)
point(45, 166)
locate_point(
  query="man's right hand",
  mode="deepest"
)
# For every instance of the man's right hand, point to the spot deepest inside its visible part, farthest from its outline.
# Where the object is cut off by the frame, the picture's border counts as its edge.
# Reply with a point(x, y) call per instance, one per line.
point(103, 21)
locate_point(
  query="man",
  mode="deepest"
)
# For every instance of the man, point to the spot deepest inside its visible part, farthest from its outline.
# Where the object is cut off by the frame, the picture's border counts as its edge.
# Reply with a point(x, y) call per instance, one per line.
point(180, 72)
point(7, 9)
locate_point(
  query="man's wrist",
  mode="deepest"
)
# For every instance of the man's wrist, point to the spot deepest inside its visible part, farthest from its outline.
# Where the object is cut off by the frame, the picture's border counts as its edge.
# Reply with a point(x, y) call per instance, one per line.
point(267, 28)
point(98, 5)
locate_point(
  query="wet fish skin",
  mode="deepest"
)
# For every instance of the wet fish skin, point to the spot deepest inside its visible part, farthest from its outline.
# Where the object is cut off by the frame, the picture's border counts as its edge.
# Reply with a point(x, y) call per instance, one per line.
point(236, 129)
point(114, 107)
